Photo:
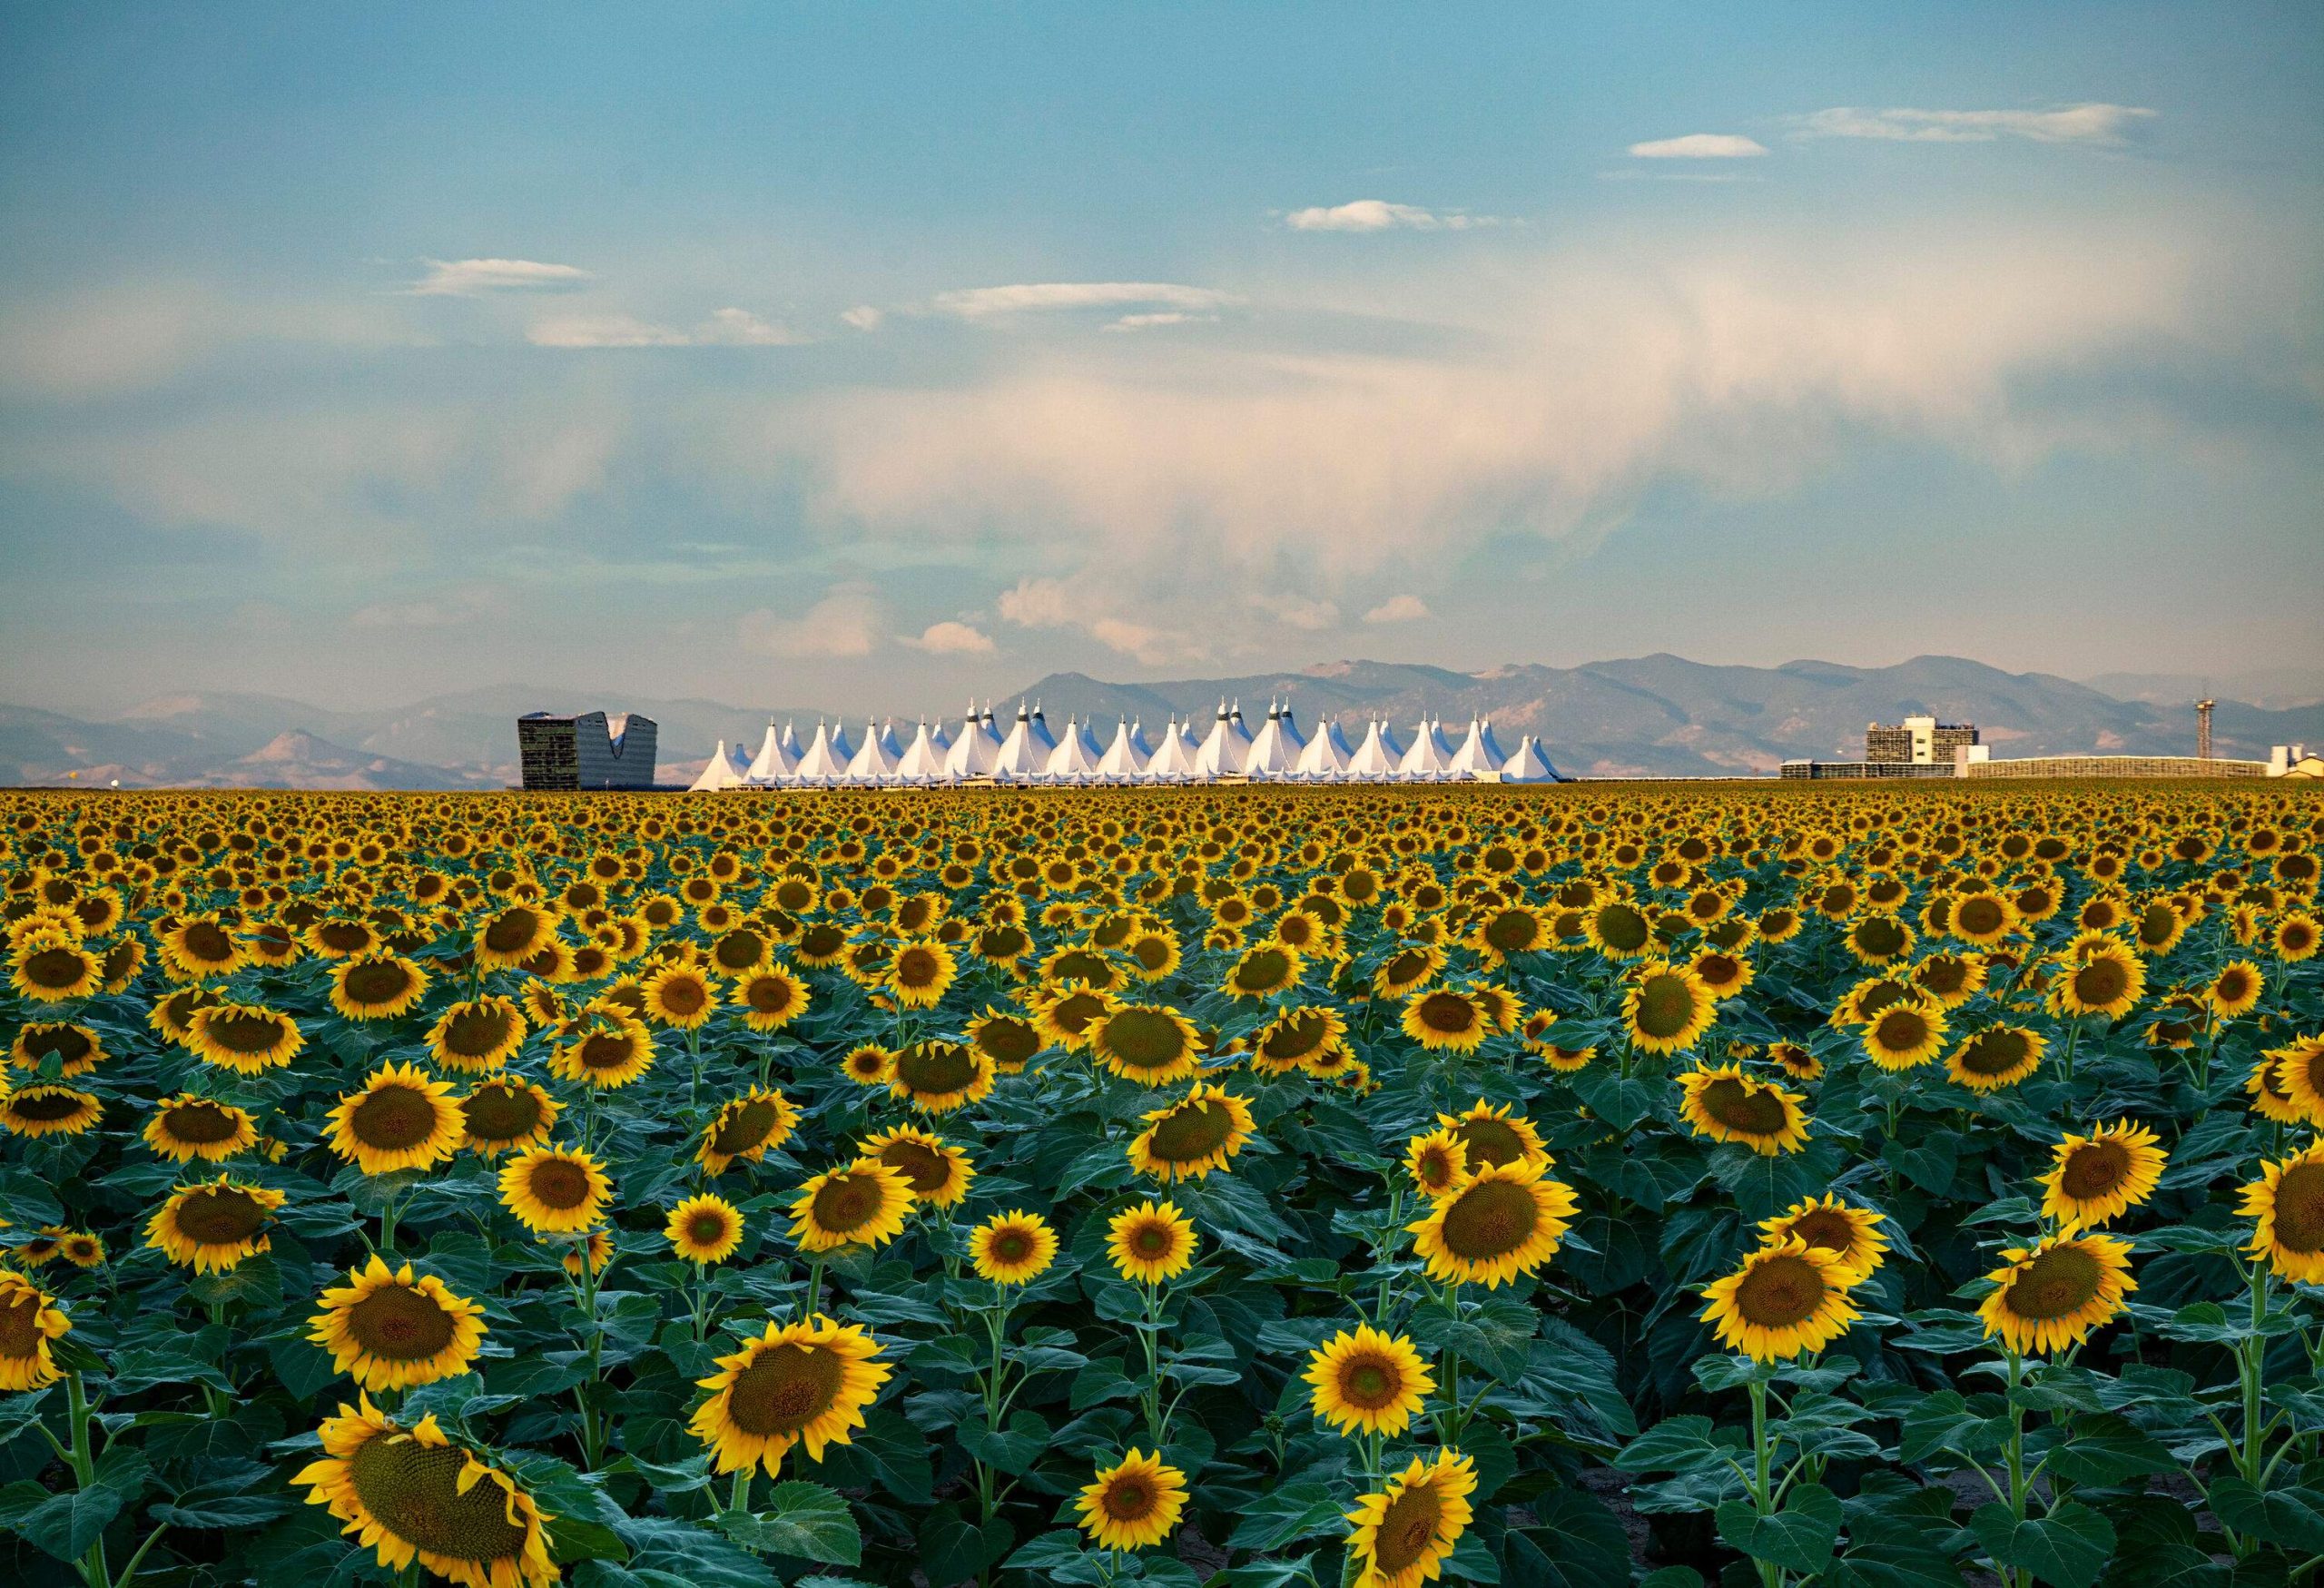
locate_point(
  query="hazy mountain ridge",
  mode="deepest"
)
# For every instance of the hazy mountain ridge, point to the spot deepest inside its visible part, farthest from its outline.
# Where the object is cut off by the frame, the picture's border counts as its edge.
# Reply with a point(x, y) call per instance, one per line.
point(1659, 714)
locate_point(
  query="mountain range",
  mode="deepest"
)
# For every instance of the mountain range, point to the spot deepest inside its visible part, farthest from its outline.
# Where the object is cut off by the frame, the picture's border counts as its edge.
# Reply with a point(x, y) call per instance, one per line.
point(1659, 715)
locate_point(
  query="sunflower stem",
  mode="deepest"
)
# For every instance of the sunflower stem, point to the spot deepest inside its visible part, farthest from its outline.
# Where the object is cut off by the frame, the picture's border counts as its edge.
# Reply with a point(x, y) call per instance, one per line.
point(742, 1495)
point(84, 1471)
point(1762, 1463)
point(814, 1292)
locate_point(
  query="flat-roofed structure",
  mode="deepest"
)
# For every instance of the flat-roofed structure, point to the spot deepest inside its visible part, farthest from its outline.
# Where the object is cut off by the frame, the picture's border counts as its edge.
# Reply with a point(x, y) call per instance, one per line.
point(2114, 766)
point(591, 751)
point(1918, 741)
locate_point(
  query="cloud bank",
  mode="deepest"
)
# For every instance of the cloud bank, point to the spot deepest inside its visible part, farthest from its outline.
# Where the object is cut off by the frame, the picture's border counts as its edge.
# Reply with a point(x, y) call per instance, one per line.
point(2102, 125)
point(1699, 146)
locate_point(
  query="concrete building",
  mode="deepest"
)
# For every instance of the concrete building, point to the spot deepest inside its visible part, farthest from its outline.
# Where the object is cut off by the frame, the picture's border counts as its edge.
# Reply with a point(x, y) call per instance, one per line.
point(2114, 766)
point(1825, 771)
point(1919, 740)
point(592, 751)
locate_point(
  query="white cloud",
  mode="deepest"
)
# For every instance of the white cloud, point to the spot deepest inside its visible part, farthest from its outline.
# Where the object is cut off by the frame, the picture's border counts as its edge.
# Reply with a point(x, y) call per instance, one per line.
point(471, 278)
point(983, 302)
point(1379, 215)
point(727, 328)
point(1083, 606)
point(949, 638)
point(2073, 123)
point(739, 328)
point(1165, 317)
point(846, 623)
point(1300, 612)
point(1398, 609)
point(455, 607)
point(1699, 146)
point(864, 317)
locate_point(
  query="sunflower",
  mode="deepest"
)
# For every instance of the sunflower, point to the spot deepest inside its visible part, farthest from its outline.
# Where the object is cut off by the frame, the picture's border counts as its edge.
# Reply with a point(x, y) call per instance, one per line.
point(1982, 920)
point(938, 1077)
point(935, 1171)
point(2055, 1291)
point(1446, 1019)
point(2288, 1200)
point(1849, 1236)
point(1150, 1043)
point(859, 1204)
point(1150, 1242)
point(1013, 1248)
point(2235, 989)
point(1500, 1222)
point(2107, 981)
point(413, 1494)
point(589, 1253)
point(2296, 938)
point(392, 1330)
point(1409, 967)
point(48, 1110)
point(213, 1224)
point(1009, 1041)
point(201, 946)
point(1796, 1061)
point(189, 1126)
point(1369, 1380)
point(505, 1113)
point(554, 1190)
point(1133, 1504)
point(1726, 1105)
point(30, 1323)
point(1906, 1035)
point(745, 1129)
point(1312, 1039)
point(1068, 1017)
point(1669, 1007)
point(704, 1229)
point(1186, 1140)
point(771, 997)
point(403, 1117)
point(919, 972)
point(81, 1248)
point(680, 997)
point(477, 1034)
point(1724, 974)
point(376, 986)
point(610, 1048)
point(1404, 1533)
point(1437, 1162)
point(77, 1048)
point(796, 1384)
point(2271, 1095)
point(1618, 929)
point(1514, 930)
point(51, 968)
point(868, 1064)
point(243, 1037)
point(1951, 979)
point(1264, 970)
point(514, 936)
point(1787, 1298)
point(1994, 1058)
point(2094, 1179)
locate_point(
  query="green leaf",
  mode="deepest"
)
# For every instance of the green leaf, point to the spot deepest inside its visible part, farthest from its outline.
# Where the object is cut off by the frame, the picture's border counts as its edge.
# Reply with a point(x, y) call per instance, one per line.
point(2068, 1547)
point(1279, 1516)
point(1580, 1541)
point(806, 1520)
point(64, 1524)
point(2293, 1518)
point(1800, 1537)
point(692, 1554)
point(2101, 1449)
point(1013, 1449)
point(197, 1510)
point(1683, 1444)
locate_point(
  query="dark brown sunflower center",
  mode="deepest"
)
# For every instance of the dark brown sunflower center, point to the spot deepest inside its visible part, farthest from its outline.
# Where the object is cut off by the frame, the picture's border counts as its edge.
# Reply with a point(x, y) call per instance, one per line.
point(2100, 982)
point(1294, 1037)
point(1191, 1132)
point(1406, 968)
point(1129, 1497)
point(784, 1390)
point(1826, 1228)
point(739, 949)
point(43, 1104)
point(1153, 1239)
point(244, 1030)
point(69, 1044)
point(1489, 1141)
point(1407, 1529)
point(1880, 937)
point(220, 1218)
point(1008, 1041)
point(1143, 1039)
point(1448, 1013)
point(1780, 1292)
point(849, 1201)
point(199, 1124)
point(1370, 1382)
point(607, 1050)
point(744, 1126)
point(414, 1491)
point(1491, 1219)
point(682, 995)
point(20, 1335)
point(1263, 972)
point(1513, 931)
point(927, 1169)
point(1943, 973)
point(1435, 1168)
point(501, 1113)
point(401, 1324)
point(2233, 987)
point(558, 1183)
point(2094, 1168)
point(206, 942)
point(343, 937)
point(707, 1228)
point(1012, 1246)
point(511, 931)
point(1666, 1006)
point(1996, 1052)
point(394, 1117)
point(375, 983)
point(54, 967)
point(478, 1032)
point(770, 994)
point(2058, 1282)
point(2300, 1209)
point(1622, 928)
point(1901, 1031)
point(1151, 952)
point(1081, 965)
point(1720, 970)
point(936, 1069)
point(1754, 1111)
point(1978, 915)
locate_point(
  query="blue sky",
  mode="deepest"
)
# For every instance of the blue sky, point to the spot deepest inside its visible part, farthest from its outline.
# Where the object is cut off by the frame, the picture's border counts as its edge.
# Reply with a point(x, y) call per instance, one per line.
point(864, 356)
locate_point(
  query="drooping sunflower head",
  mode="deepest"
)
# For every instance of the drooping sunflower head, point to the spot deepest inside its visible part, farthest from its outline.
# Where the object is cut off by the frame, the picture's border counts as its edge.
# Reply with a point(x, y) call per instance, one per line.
point(243, 1037)
point(1795, 1061)
point(1404, 1533)
point(1186, 1140)
point(1150, 1043)
point(1363, 1379)
point(1950, 979)
point(477, 1035)
point(1728, 1105)
point(1265, 969)
point(746, 1128)
point(704, 1229)
point(862, 1203)
point(607, 1049)
point(937, 1077)
point(212, 1224)
point(31, 1322)
point(414, 1495)
point(1133, 1504)
point(1849, 1235)
point(554, 1190)
point(1069, 1017)
point(1668, 1008)
point(1787, 1298)
point(403, 1117)
point(2267, 1087)
point(1014, 1247)
point(505, 1113)
point(1446, 1019)
point(935, 1171)
point(1409, 967)
point(804, 1383)
point(1995, 1057)
point(2094, 1180)
point(1502, 1222)
point(77, 1048)
point(188, 1127)
point(1009, 1040)
point(376, 986)
point(2054, 1293)
point(1437, 1162)
point(392, 1329)
point(2287, 1202)
point(1496, 1137)
point(49, 1109)
point(1150, 1242)
point(1300, 1037)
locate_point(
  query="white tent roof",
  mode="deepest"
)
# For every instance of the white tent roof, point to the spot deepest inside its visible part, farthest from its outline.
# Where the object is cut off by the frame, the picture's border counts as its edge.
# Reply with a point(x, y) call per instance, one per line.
point(1173, 760)
point(1022, 754)
point(1228, 747)
point(1474, 756)
point(1376, 756)
point(1126, 756)
point(922, 762)
point(875, 760)
point(1430, 756)
point(1274, 752)
point(773, 763)
point(1529, 765)
point(1326, 755)
point(975, 752)
point(1077, 755)
point(822, 760)
point(719, 773)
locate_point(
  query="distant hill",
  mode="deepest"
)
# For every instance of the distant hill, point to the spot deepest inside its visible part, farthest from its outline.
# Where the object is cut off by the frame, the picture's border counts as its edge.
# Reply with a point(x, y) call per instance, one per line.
point(1659, 714)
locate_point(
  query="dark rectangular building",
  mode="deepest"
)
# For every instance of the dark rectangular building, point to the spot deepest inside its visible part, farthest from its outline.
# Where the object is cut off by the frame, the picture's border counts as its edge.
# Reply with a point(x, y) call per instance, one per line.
point(1919, 740)
point(591, 751)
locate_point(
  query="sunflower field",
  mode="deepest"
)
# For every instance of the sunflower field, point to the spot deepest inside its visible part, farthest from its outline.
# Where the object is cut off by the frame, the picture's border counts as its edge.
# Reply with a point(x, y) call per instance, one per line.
point(1869, 1186)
